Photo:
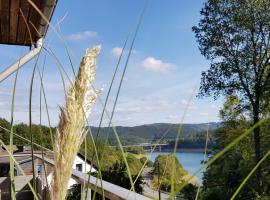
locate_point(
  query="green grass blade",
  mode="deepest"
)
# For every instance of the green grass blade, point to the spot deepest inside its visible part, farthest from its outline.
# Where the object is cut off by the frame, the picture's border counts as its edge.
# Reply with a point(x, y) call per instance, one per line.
point(26, 140)
point(19, 167)
point(40, 122)
point(118, 92)
point(46, 104)
point(204, 158)
point(172, 193)
point(11, 162)
point(30, 119)
point(104, 107)
point(249, 175)
point(227, 148)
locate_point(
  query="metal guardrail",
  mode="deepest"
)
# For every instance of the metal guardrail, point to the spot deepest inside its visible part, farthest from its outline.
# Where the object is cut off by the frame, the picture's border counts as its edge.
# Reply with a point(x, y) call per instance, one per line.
point(111, 191)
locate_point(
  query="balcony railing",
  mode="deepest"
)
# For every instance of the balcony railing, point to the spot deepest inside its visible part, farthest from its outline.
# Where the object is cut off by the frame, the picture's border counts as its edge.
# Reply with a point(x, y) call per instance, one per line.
point(110, 191)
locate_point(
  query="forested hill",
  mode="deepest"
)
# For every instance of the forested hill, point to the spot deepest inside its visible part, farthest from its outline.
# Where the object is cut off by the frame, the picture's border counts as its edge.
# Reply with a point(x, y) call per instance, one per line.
point(150, 132)
point(191, 134)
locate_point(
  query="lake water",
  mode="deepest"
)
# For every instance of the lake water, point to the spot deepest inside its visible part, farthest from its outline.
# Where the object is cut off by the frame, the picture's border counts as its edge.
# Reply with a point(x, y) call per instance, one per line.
point(191, 161)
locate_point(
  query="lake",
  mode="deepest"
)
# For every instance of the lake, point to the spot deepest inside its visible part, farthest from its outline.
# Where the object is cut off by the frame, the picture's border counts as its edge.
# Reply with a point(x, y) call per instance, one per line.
point(191, 161)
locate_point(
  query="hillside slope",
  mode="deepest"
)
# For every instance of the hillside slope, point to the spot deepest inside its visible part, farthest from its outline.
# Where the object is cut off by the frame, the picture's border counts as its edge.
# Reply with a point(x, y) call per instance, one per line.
point(150, 132)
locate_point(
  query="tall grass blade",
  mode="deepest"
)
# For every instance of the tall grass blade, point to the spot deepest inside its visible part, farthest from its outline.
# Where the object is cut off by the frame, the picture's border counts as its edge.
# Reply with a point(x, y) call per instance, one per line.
point(249, 175)
point(227, 148)
point(46, 104)
point(117, 95)
point(104, 108)
point(26, 140)
point(11, 162)
point(40, 124)
point(20, 169)
point(30, 121)
point(204, 158)
point(172, 193)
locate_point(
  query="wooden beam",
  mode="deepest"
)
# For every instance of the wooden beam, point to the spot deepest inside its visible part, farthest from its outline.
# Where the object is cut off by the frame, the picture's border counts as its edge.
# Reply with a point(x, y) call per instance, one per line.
point(0, 20)
point(34, 23)
point(13, 22)
point(5, 20)
point(25, 7)
point(0, 31)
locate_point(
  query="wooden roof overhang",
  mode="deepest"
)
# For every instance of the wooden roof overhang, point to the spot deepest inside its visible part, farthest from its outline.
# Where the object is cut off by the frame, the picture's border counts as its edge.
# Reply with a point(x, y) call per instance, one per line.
point(21, 23)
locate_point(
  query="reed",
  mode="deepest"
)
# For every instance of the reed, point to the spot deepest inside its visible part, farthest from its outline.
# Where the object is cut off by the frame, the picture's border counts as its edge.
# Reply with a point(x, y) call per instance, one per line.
point(71, 128)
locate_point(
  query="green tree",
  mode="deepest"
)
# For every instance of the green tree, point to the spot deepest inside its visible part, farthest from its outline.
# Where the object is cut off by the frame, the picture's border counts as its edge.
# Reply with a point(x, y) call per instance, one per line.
point(117, 174)
point(224, 176)
point(234, 37)
point(74, 193)
point(163, 171)
point(4, 134)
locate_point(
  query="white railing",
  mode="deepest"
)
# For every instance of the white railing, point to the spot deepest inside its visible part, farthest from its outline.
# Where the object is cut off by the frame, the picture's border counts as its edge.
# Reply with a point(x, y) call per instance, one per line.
point(110, 191)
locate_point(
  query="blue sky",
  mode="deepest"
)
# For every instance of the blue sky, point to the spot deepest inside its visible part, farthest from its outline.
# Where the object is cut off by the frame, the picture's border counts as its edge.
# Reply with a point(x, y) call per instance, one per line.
point(162, 75)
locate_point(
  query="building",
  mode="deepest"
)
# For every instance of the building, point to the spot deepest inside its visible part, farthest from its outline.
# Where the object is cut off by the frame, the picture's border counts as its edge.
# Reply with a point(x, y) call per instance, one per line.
point(43, 171)
point(80, 164)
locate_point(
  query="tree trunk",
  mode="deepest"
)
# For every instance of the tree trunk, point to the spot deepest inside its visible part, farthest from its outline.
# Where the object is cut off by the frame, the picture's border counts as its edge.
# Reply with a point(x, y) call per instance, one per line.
point(257, 148)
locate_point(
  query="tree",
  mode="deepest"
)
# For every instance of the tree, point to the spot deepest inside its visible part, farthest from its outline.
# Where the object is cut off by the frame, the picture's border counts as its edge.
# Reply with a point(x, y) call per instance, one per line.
point(235, 37)
point(163, 170)
point(4, 130)
point(223, 177)
point(117, 174)
point(74, 193)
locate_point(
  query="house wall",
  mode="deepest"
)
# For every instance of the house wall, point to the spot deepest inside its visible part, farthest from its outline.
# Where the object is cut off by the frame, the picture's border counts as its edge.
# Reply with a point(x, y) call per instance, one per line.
point(85, 168)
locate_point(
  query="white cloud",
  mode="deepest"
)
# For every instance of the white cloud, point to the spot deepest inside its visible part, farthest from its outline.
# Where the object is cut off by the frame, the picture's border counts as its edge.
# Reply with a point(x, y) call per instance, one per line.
point(173, 117)
point(153, 64)
point(204, 114)
point(82, 35)
point(188, 104)
point(185, 102)
point(116, 51)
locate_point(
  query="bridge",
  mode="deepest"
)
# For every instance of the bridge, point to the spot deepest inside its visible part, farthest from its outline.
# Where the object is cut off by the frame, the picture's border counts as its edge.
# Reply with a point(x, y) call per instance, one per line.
point(146, 146)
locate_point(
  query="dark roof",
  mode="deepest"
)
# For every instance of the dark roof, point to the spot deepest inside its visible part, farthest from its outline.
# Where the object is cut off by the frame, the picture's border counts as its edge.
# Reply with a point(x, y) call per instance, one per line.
point(21, 23)
point(19, 159)
point(24, 155)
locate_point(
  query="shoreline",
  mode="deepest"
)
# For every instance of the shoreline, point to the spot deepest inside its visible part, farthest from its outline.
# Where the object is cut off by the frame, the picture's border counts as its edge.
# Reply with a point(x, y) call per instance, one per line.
point(179, 151)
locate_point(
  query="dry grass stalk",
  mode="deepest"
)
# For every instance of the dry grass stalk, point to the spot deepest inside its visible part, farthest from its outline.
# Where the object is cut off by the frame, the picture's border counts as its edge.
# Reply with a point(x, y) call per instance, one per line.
point(71, 128)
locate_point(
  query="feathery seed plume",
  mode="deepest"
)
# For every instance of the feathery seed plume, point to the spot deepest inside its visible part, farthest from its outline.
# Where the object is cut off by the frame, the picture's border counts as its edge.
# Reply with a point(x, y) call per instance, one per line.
point(71, 128)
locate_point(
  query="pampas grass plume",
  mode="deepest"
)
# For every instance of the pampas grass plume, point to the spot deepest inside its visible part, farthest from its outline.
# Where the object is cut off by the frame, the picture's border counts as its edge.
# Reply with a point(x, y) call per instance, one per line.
point(71, 128)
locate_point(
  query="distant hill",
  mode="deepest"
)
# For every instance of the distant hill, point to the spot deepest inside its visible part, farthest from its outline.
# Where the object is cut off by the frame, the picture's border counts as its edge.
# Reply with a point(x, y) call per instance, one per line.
point(150, 132)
